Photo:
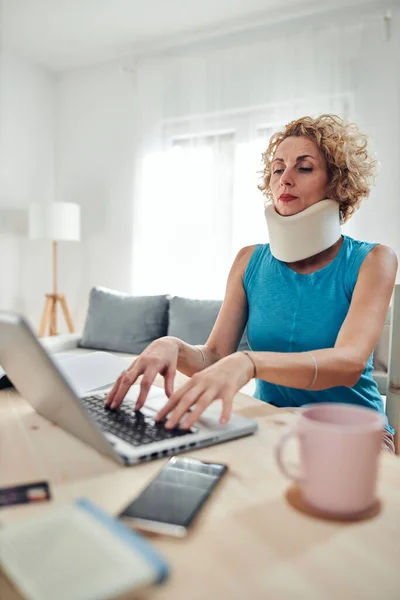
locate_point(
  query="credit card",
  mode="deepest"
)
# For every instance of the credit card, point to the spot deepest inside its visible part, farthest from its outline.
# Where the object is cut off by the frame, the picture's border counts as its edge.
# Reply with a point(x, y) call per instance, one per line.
point(37, 491)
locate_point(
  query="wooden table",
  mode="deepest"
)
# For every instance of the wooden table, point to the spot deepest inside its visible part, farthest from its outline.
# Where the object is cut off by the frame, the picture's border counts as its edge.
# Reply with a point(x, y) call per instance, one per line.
point(249, 542)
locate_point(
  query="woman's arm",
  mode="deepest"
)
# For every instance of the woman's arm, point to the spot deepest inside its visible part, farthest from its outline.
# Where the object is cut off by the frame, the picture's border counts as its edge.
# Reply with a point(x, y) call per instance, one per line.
point(338, 366)
point(229, 326)
point(357, 338)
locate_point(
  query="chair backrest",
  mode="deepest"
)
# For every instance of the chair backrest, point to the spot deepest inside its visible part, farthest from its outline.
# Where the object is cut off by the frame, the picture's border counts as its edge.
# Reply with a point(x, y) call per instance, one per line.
point(393, 388)
point(381, 355)
point(381, 352)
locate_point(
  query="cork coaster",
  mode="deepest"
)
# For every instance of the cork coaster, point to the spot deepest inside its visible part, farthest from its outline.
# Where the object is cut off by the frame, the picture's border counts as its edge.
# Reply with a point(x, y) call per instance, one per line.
point(296, 500)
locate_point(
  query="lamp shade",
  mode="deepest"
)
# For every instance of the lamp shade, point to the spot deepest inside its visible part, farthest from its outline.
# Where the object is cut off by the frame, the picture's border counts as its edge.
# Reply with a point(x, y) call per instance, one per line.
point(54, 221)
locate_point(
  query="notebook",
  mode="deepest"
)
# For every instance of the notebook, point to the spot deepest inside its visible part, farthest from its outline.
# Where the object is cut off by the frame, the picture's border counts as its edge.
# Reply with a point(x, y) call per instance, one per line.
point(77, 552)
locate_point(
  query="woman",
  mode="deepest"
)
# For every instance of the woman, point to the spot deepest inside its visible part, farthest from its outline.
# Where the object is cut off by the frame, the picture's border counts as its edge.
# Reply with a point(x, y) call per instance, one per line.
point(314, 300)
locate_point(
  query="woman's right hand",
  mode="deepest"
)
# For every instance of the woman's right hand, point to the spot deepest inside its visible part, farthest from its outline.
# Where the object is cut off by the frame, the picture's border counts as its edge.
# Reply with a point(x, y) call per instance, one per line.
point(161, 356)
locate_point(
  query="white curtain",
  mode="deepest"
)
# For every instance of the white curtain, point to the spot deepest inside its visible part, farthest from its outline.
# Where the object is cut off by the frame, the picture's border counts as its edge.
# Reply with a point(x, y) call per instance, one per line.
point(203, 121)
point(191, 185)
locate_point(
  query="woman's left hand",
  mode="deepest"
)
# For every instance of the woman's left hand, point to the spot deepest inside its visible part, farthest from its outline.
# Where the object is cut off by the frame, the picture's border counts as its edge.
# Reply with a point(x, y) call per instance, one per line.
point(220, 381)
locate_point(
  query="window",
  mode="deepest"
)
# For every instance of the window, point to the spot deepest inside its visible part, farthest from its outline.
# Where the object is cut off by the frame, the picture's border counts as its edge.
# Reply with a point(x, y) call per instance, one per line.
point(201, 197)
point(200, 188)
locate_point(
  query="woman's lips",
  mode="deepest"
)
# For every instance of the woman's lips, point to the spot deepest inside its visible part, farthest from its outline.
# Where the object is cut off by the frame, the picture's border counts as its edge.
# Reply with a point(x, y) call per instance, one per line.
point(287, 197)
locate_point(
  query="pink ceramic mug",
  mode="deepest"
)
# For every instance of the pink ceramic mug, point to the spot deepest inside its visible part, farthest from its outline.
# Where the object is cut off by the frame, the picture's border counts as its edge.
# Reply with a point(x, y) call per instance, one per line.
point(339, 450)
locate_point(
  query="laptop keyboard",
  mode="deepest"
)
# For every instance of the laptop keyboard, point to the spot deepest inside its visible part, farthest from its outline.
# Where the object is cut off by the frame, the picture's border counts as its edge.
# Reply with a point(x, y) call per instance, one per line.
point(134, 427)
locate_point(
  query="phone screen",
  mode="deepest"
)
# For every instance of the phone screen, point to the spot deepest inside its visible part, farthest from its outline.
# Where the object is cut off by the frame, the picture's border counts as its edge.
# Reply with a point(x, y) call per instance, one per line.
point(176, 494)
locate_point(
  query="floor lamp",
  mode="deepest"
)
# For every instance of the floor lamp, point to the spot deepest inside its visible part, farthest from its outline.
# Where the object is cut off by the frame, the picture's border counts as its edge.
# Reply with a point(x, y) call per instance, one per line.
point(55, 221)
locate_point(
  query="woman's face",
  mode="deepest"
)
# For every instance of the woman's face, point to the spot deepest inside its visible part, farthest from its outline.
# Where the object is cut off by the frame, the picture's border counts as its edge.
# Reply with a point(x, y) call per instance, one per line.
point(299, 175)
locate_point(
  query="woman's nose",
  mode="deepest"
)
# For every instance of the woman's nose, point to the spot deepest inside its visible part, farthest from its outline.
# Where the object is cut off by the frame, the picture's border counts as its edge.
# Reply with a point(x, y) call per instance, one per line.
point(286, 178)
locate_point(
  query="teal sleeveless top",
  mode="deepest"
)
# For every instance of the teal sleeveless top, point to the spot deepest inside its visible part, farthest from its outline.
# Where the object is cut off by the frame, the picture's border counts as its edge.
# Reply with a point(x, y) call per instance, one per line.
point(293, 312)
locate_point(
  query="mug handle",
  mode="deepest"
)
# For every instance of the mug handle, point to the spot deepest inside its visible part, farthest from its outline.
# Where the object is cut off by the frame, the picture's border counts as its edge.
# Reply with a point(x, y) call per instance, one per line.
point(278, 456)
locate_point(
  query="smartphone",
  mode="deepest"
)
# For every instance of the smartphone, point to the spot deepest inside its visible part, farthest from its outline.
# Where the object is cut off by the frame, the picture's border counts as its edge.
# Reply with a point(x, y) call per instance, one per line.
point(172, 500)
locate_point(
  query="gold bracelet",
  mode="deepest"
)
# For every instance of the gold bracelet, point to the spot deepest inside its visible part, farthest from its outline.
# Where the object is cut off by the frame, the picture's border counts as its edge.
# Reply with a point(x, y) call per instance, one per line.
point(315, 371)
point(204, 357)
point(254, 364)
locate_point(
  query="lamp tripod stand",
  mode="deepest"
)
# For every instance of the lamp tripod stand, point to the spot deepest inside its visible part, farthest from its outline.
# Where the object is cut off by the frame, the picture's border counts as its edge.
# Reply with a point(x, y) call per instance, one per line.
point(49, 316)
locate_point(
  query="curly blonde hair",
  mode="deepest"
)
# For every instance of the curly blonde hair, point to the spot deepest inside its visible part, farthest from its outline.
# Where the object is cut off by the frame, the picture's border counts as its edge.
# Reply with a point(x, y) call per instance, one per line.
point(351, 170)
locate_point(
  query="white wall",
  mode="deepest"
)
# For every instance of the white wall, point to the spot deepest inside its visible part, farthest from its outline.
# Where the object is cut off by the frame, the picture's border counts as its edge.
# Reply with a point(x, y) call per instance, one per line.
point(376, 79)
point(94, 167)
point(26, 175)
point(68, 138)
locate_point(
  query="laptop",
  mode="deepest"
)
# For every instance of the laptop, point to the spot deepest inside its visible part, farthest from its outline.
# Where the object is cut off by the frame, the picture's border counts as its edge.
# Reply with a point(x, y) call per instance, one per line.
point(125, 435)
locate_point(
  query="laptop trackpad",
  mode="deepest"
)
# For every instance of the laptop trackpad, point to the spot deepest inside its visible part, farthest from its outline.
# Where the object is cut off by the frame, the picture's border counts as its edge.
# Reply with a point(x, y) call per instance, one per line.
point(157, 399)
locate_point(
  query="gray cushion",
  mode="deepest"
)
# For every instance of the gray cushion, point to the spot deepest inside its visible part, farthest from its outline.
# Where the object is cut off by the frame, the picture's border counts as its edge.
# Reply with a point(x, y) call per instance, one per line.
point(192, 320)
point(123, 323)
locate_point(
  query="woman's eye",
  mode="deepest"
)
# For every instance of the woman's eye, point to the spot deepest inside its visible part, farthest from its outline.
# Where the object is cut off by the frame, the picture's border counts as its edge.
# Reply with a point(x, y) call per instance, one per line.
point(307, 169)
point(278, 171)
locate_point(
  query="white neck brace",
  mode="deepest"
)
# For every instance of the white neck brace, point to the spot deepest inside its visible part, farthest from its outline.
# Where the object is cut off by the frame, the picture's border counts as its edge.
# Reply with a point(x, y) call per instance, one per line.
point(304, 234)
